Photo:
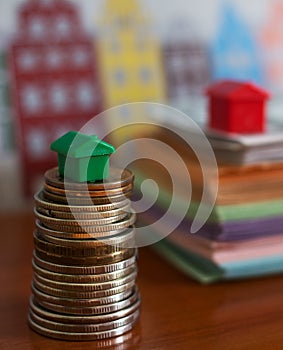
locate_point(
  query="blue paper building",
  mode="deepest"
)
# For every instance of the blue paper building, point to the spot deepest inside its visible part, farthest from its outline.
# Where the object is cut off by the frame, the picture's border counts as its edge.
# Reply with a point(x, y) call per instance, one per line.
point(234, 51)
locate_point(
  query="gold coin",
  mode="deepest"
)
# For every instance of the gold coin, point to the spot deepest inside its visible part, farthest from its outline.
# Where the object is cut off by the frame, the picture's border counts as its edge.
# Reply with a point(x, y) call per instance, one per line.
point(85, 270)
point(81, 298)
point(79, 336)
point(42, 202)
point(92, 194)
point(81, 316)
point(104, 277)
point(84, 261)
point(85, 287)
point(117, 178)
point(74, 201)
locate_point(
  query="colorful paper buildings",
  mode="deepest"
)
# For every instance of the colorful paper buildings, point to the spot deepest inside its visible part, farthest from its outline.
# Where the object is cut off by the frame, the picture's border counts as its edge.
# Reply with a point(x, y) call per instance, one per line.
point(55, 70)
point(129, 55)
point(237, 107)
point(55, 86)
point(85, 156)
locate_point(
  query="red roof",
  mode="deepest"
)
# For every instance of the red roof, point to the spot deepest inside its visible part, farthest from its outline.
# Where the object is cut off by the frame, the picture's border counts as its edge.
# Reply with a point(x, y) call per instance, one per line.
point(236, 90)
point(47, 6)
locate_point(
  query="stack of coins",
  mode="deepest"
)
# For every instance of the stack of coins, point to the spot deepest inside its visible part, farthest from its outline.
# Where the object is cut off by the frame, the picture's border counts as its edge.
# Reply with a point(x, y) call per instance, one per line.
point(84, 262)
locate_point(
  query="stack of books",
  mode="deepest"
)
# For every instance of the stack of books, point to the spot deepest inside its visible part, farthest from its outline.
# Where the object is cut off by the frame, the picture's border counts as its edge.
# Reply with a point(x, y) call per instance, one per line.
point(243, 236)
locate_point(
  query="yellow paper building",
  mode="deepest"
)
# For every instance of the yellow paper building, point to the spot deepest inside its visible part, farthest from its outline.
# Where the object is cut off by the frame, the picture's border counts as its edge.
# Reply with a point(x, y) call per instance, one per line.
point(130, 60)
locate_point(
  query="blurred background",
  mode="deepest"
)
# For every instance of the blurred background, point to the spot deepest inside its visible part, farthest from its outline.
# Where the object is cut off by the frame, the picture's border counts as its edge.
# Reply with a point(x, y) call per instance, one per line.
point(64, 61)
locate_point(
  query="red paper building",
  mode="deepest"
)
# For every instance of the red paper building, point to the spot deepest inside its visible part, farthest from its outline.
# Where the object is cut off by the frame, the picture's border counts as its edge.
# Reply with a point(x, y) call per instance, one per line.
point(237, 107)
point(55, 87)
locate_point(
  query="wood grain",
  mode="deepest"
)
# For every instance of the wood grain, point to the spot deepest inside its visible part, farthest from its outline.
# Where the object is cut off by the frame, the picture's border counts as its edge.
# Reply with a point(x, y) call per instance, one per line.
point(177, 313)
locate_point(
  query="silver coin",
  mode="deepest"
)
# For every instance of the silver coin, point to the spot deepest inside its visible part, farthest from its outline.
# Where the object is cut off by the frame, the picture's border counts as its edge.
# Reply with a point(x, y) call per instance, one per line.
point(84, 307)
point(64, 215)
point(81, 306)
point(95, 248)
point(85, 287)
point(121, 240)
point(72, 224)
point(79, 336)
point(85, 270)
point(82, 297)
point(42, 202)
point(105, 277)
point(83, 328)
point(79, 227)
point(80, 256)
point(83, 315)
point(78, 235)
point(96, 253)
point(56, 257)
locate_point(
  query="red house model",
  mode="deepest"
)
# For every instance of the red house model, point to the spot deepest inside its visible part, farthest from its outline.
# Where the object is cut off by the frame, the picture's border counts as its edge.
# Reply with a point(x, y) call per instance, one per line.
point(237, 107)
point(55, 83)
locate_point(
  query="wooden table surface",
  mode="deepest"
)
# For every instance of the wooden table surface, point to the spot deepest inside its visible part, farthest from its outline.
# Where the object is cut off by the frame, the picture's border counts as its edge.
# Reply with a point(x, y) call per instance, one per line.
point(177, 313)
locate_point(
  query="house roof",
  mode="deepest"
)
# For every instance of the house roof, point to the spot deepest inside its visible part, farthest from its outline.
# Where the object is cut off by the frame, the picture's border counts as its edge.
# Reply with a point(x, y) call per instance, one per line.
point(76, 145)
point(236, 90)
point(47, 6)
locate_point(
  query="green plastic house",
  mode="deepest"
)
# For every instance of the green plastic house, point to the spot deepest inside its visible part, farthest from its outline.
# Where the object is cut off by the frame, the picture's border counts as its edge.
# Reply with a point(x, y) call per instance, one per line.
point(82, 158)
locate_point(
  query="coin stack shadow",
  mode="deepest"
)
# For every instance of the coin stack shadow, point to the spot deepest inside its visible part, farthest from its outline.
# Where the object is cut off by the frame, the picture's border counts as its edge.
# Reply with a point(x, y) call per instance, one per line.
point(84, 261)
